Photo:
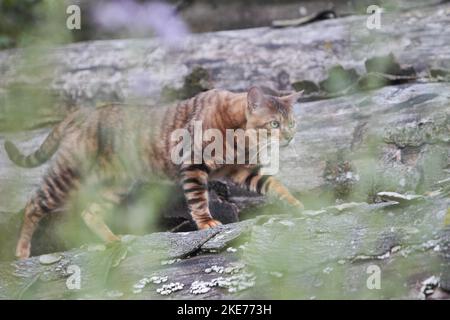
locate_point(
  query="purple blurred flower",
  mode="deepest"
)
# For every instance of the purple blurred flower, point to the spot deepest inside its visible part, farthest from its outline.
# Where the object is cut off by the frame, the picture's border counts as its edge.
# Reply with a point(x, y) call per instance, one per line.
point(141, 18)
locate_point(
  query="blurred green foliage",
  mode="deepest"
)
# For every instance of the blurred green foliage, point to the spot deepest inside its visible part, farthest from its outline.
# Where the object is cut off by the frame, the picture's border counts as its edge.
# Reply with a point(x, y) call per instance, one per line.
point(29, 22)
point(16, 18)
point(35, 26)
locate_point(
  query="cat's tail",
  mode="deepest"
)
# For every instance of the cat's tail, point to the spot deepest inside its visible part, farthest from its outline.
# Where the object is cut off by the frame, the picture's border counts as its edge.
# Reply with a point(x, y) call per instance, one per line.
point(45, 151)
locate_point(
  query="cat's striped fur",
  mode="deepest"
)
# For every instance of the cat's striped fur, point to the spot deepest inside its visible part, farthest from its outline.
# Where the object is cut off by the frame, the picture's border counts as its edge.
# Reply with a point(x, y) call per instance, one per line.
point(115, 145)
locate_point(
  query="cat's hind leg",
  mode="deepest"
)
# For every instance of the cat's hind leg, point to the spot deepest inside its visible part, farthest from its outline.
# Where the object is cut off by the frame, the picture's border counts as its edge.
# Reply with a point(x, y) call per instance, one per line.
point(33, 214)
point(51, 195)
point(94, 214)
point(93, 217)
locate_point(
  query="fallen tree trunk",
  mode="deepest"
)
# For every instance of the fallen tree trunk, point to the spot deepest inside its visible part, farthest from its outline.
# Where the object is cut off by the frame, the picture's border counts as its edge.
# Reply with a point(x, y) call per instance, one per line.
point(84, 73)
point(323, 254)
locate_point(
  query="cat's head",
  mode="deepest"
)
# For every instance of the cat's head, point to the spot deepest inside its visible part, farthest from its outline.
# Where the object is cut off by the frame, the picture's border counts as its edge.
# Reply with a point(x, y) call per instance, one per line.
point(276, 114)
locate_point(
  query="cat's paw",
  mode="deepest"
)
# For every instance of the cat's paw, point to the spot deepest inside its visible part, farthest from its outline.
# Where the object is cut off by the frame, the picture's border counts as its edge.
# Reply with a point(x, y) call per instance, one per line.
point(127, 238)
point(211, 223)
point(23, 249)
point(111, 239)
point(297, 206)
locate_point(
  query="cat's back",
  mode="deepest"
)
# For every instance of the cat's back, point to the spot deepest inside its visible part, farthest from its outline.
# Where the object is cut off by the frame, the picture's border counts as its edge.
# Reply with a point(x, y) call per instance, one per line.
point(202, 107)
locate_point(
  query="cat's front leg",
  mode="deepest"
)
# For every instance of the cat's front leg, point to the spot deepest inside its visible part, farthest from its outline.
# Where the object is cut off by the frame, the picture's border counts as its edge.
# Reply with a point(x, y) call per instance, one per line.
point(277, 189)
point(263, 184)
point(194, 179)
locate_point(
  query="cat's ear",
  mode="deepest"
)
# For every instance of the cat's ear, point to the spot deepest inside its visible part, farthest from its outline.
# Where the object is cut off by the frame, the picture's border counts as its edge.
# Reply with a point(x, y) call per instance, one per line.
point(255, 98)
point(293, 97)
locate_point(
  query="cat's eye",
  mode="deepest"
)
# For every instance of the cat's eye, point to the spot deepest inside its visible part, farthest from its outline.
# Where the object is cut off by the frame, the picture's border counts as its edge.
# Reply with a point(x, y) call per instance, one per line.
point(291, 124)
point(274, 124)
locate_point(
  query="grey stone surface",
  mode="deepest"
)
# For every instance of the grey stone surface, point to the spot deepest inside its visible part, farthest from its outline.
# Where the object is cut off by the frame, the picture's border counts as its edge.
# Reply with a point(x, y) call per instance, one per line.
point(352, 125)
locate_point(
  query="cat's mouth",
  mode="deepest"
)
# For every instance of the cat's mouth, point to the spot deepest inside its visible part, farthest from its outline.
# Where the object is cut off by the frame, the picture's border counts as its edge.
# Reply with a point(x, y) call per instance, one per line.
point(285, 143)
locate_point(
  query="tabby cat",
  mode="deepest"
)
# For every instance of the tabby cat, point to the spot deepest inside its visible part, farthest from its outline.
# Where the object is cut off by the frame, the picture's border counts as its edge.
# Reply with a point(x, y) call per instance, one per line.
point(113, 146)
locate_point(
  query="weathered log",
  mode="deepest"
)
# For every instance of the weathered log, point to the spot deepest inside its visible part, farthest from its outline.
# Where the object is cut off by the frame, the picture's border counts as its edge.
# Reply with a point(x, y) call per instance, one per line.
point(325, 253)
point(121, 69)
